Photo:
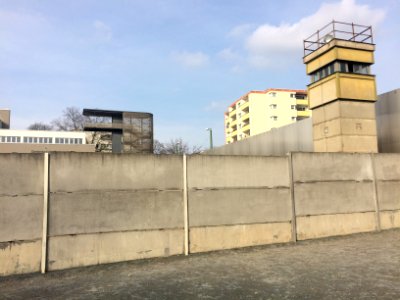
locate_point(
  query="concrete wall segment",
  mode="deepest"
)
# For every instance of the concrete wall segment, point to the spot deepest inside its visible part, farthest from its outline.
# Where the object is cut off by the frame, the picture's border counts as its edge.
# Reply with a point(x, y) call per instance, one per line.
point(107, 211)
point(93, 171)
point(92, 249)
point(324, 198)
point(315, 167)
point(22, 174)
point(21, 218)
point(239, 206)
point(387, 166)
point(209, 171)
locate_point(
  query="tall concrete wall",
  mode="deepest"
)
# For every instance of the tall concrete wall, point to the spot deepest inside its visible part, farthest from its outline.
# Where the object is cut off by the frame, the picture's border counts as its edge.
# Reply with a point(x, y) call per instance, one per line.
point(238, 201)
point(107, 208)
point(279, 141)
point(388, 121)
point(334, 194)
point(21, 211)
point(387, 170)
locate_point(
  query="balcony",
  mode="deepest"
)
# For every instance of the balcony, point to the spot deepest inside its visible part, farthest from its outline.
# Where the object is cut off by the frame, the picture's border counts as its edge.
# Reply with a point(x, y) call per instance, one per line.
point(303, 114)
point(233, 134)
point(245, 117)
point(246, 128)
point(302, 102)
point(232, 113)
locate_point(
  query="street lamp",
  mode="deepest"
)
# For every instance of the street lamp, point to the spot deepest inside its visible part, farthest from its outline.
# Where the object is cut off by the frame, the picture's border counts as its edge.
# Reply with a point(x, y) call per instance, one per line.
point(211, 137)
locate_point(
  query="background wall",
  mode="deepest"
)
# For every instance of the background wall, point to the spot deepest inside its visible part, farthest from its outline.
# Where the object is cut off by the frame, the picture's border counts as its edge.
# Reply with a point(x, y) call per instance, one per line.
point(106, 208)
point(297, 137)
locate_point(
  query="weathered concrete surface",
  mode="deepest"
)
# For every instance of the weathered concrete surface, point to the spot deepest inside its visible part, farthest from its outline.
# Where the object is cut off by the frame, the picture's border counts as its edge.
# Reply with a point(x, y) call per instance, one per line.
point(93, 171)
point(237, 171)
point(20, 257)
point(237, 201)
point(334, 197)
point(21, 211)
point(21, 217)
point(91, 212)
point(204, 239)
point(390, 219)
point(239, 206)
point(364, 266)
point(22, 174)
point(312, 227)
point(315, 167)
point(387, 168)
point(91, 249)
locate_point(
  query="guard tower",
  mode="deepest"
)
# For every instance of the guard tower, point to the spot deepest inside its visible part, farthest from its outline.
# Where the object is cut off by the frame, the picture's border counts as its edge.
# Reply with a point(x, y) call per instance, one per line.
point(342, 91)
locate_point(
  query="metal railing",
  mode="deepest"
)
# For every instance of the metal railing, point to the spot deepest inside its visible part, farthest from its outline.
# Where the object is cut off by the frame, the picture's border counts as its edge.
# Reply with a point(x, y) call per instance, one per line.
point(338, 30)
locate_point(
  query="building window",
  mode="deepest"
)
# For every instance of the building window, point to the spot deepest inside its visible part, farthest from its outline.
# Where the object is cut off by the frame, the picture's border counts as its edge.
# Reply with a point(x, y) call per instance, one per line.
point(50, 140)
point(293, 118)
point(272, 94)
point(275, 118)
point(293, 106)
point(292, 95)
point(273, 106)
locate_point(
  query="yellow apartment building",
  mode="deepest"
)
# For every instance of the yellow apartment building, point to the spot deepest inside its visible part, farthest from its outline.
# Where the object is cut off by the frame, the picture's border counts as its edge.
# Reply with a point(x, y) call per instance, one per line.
point(260, 111)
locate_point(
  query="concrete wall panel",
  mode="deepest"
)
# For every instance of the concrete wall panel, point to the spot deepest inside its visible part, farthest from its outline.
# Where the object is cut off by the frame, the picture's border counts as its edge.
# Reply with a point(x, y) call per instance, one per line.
point(91, 212)
point(390, 219)
point(204, 239)
point(91, 249)
point(21, 217)
point(387, 166)
point(389, 195)
point(22, 174)
point(20, 257)
point(237, 171)
point(313, 227)
point(312, 167)
point(334, 197)
point(239, 206)
point(90, 171)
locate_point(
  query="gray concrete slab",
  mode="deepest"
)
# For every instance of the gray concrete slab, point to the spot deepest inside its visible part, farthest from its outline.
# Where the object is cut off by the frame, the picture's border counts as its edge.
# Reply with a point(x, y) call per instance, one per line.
point(239, 206)
point(364, 266)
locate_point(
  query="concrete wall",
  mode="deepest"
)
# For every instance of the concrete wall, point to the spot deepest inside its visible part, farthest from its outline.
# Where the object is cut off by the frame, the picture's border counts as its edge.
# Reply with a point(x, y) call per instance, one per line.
point(334, 194)
point(279, 141)
point(388, 121)
point(387, 170)
point(238, 201)
point(21, 211)
point(107, 208)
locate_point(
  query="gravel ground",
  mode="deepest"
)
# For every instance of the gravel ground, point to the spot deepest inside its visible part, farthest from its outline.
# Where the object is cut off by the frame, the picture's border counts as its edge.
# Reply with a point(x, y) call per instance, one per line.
point(362, 266)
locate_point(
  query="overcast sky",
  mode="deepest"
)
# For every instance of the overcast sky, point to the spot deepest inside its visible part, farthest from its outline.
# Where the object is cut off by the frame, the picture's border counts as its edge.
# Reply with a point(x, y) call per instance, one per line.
point(184, 61)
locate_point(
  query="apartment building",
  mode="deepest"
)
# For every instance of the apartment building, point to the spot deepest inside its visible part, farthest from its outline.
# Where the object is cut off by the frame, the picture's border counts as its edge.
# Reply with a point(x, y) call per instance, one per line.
point(260, 111)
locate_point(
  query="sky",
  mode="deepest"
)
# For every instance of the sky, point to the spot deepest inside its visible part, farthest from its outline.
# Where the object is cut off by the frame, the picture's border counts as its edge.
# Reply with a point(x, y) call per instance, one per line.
point(185, 61)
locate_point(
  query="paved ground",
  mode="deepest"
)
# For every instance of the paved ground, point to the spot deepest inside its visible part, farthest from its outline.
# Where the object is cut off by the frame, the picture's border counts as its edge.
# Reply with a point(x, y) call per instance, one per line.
point(365, 266)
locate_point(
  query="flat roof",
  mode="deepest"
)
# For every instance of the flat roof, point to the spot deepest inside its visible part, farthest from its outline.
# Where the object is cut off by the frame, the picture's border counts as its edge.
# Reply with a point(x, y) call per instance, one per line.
point(109, 113)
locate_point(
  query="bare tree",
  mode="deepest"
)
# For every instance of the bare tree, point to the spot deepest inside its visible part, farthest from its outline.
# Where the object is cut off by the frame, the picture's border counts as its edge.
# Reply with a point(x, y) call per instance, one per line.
point(175, 146)
point(71, 120)
point(40, 126)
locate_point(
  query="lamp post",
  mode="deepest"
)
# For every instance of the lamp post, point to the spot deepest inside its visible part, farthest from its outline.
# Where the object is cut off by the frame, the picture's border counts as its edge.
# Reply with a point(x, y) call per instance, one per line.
point(211, 137)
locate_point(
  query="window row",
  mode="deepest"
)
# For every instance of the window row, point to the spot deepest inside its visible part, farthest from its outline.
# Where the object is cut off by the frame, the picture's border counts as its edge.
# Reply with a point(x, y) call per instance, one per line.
point(340, 66)
point(10, 139)
point(39, 140)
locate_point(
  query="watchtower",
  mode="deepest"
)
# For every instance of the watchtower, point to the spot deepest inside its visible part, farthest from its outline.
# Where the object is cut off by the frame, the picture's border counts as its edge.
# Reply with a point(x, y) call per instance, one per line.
point(342, 91)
